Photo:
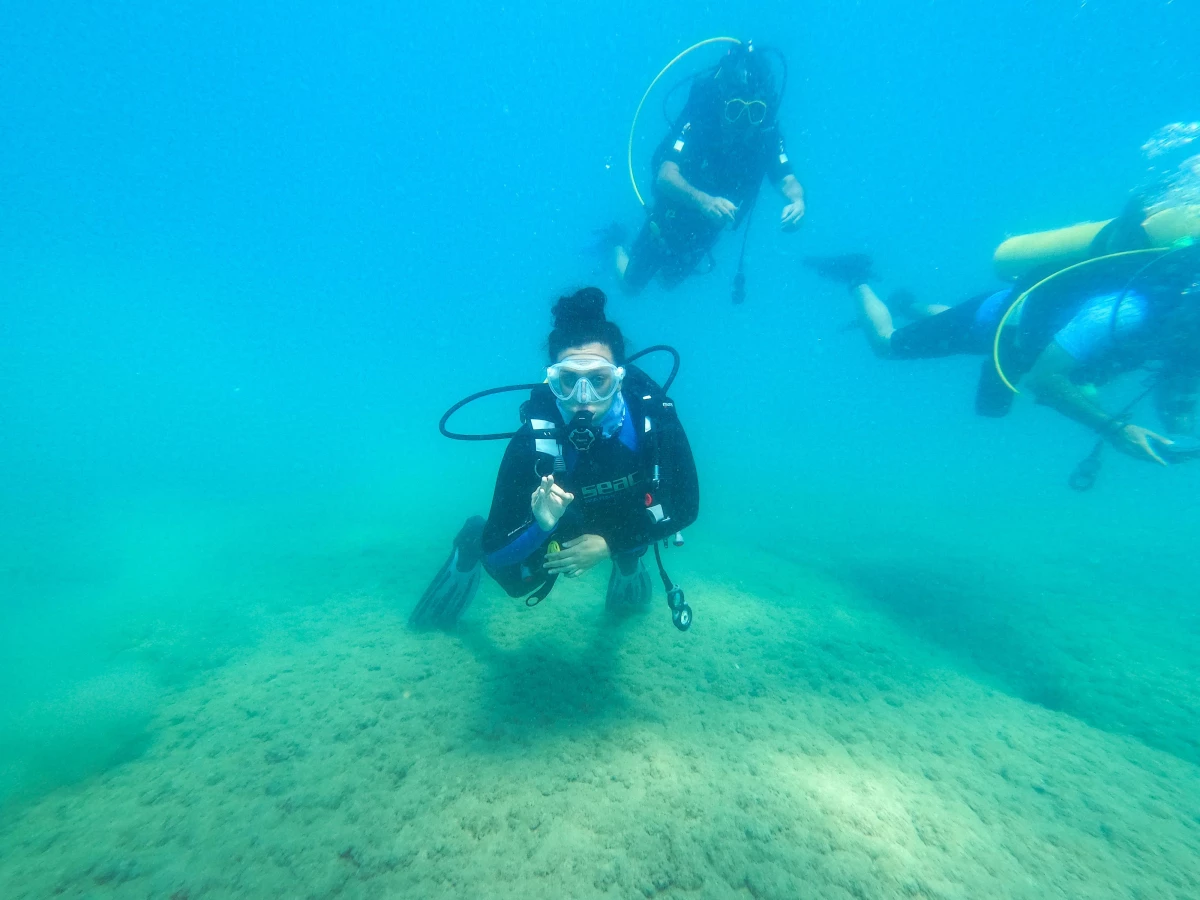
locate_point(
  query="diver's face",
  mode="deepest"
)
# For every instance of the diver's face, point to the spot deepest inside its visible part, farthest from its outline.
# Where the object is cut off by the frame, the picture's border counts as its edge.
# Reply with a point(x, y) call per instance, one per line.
point(598, 408)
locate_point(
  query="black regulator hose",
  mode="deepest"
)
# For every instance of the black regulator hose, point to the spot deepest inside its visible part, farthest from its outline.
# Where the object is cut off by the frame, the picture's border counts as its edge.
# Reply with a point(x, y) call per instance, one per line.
point(499, 436)
point(508, 435)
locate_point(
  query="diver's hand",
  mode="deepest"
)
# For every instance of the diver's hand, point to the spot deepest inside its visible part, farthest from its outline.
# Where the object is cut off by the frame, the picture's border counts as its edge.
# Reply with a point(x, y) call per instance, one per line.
point(577, 556)
point(792, 215)
point(548, 503)
point(716, 209)
point(1140, 443)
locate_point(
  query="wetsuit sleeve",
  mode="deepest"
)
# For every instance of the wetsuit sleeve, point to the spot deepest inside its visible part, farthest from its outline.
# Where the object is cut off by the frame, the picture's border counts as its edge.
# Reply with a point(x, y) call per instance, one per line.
point(679, 492)
point(679, 147)
point(511, 538)
point(686, 142)
point(778, 165)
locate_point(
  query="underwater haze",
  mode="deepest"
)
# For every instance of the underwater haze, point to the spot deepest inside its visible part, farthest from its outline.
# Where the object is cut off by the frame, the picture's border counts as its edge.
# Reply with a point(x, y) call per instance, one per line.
point(248, 257)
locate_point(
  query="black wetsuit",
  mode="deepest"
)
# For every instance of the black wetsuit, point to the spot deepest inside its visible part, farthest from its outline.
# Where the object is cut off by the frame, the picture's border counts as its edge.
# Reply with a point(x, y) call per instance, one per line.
point(723, 162)
point(612, 482)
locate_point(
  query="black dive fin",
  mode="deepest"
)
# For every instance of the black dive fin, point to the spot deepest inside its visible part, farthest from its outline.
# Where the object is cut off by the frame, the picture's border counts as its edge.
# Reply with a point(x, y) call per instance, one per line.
point(456, 583)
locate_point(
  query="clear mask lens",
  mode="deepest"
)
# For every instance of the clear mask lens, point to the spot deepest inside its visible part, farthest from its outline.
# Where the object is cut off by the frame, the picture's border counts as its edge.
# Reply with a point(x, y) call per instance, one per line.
point(584, 379)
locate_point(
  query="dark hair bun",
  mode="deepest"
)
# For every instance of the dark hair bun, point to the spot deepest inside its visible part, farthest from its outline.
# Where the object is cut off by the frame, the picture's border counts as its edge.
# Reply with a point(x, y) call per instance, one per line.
point(586, 305)
point(579, 320)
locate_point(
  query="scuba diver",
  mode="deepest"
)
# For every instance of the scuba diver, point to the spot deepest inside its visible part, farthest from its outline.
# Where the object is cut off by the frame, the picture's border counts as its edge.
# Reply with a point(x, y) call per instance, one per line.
point(1130, 300)
point(600, 470)
point(708, 169)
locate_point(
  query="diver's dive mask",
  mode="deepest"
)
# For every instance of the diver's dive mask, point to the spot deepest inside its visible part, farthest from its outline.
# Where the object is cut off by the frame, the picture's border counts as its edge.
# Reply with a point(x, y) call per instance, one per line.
point(584, 379)
point(755, 111)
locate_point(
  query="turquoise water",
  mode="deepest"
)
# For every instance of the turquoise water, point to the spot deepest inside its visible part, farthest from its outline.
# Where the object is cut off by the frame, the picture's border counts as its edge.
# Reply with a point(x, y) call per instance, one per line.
point(249, 258)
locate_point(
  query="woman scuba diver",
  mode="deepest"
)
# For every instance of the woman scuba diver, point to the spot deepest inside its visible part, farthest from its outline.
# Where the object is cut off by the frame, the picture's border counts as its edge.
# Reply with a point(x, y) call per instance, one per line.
point(600, 469)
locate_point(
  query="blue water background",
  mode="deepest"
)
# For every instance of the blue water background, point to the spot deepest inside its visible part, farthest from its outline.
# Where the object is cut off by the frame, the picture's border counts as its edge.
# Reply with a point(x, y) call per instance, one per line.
point(249, 254)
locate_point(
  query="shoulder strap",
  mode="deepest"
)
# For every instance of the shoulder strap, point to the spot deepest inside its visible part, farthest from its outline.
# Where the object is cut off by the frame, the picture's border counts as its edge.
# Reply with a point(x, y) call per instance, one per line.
point(541, 412)
point(646, 399)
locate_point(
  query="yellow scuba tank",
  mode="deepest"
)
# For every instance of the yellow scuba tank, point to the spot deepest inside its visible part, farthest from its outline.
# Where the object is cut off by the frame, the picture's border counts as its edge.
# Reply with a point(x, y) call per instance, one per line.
point(1058, 248)
point(1173, 224)
point(1062, 247)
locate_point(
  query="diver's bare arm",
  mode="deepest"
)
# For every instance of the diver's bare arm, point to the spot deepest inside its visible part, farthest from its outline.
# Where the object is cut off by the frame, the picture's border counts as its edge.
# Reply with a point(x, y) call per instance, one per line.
point(791, 188)
point(672, 183)
point(1050, 381)
point(793, 213)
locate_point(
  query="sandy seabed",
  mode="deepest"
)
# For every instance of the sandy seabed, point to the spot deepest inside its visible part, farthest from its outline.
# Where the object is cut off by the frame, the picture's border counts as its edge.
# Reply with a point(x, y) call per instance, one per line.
point(797, 743)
